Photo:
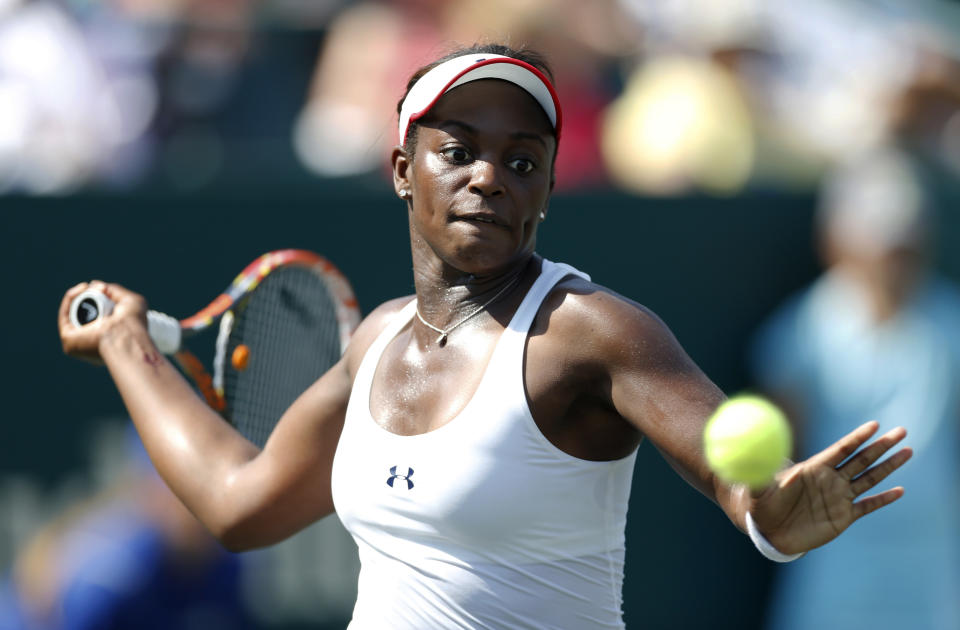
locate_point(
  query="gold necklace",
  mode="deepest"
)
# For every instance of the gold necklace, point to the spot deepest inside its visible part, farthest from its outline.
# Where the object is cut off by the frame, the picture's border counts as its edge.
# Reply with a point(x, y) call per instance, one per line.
point(442, 339)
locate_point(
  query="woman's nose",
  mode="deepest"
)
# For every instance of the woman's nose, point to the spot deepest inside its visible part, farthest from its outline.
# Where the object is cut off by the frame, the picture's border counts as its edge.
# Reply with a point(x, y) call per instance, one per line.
point(486, 179)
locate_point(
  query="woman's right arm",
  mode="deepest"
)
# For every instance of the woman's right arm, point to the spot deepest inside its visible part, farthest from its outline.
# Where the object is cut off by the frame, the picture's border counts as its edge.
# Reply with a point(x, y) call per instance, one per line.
point(246, 497)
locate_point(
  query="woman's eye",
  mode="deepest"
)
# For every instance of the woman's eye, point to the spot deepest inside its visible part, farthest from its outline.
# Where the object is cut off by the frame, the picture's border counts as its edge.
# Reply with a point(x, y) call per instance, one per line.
point(521, 165)
point(456, 154)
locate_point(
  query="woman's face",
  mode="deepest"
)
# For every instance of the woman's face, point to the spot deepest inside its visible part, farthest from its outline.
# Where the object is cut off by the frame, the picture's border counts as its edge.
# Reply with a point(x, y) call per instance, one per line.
point(480, 177)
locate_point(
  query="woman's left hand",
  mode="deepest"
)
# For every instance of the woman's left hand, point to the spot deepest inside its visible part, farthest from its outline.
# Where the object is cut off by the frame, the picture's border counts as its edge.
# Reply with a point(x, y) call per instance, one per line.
point(814, 501)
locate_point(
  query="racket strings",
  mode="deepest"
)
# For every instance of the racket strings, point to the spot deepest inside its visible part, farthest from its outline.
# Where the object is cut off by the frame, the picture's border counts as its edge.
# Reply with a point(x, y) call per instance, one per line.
point(290, 329)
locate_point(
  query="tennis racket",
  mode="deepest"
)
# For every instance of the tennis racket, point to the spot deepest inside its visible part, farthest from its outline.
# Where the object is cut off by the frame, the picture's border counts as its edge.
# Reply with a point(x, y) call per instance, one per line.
point(283, 322)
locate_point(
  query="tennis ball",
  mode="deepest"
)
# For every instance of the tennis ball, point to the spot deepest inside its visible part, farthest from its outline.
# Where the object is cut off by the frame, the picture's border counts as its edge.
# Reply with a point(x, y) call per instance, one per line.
point(240, 357)
point(747, 440)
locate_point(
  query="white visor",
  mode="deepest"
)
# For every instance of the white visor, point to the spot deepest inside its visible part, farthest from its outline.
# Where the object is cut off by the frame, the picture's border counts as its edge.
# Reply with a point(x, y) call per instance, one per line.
point(430, 87)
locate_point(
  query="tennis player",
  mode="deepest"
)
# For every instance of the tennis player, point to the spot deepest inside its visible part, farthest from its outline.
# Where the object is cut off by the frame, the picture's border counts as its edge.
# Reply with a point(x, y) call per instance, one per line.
point(477, 438)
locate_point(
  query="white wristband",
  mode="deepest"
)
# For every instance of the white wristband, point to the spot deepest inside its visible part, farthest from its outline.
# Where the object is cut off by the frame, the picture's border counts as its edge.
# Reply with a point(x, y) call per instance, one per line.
point(765, 547)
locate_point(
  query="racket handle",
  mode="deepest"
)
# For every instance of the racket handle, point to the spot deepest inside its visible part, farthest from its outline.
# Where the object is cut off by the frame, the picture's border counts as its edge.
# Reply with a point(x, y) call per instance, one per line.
point(91, 305)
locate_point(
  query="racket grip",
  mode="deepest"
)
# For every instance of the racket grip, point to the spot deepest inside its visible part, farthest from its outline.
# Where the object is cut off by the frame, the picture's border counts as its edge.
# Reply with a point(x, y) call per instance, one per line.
point(91, 305)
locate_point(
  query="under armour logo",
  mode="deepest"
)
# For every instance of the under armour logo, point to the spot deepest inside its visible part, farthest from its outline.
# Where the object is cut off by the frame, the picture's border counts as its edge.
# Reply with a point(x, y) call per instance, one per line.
point(394, 476)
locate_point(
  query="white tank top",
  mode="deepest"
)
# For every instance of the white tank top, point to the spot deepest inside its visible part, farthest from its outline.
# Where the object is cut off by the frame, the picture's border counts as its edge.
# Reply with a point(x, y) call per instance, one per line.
point(483, 522)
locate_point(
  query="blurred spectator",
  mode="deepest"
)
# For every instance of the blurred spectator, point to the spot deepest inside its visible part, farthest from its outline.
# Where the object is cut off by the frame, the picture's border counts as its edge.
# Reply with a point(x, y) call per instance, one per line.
point(77, 92)
point(57, 118)
point(774, 92)
point(108, 93)
point(131, 557)
point(372, 48)
point(681, 123)
point(877, 337)
point(927, 114)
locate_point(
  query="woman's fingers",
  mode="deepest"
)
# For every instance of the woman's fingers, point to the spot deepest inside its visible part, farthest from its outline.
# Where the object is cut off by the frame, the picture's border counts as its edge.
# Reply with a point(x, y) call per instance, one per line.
point(875, 502)
point(846, 446)
point(124, 298)
point(866, 457)
point(83, 341)
point(878, 473)
point(114, 291)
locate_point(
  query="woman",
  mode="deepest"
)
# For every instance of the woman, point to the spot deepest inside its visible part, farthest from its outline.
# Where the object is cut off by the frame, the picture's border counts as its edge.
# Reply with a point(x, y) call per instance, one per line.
point(477, 439)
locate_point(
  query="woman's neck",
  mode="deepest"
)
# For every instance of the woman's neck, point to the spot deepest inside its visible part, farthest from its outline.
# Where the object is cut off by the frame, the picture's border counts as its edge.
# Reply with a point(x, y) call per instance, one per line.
point(445, 294)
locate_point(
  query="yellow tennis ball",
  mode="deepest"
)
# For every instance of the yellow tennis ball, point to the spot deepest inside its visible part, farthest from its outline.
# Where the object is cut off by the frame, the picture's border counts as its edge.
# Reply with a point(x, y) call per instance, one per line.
point(747, 440)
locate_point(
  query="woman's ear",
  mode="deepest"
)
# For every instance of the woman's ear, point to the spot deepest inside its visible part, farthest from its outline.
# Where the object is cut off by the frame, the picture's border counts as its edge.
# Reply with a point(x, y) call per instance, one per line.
point(401, 171)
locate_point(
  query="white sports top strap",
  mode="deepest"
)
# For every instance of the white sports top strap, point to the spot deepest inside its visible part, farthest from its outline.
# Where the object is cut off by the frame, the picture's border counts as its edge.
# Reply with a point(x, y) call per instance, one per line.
point(510, 348)
point(550, 274)
point(368, 365)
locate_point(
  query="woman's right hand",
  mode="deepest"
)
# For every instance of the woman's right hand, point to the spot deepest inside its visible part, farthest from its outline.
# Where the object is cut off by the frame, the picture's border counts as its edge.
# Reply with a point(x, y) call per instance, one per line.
point(83, 342)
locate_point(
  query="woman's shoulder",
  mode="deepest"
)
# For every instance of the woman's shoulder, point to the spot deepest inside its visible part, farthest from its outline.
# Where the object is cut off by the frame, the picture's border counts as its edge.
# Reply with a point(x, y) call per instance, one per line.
point(374, 324)
point(386, 311)
point(598, 321)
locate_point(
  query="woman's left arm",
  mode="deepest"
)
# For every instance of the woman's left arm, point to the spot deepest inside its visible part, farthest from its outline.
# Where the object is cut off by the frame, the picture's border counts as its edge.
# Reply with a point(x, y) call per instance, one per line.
point(657, 388)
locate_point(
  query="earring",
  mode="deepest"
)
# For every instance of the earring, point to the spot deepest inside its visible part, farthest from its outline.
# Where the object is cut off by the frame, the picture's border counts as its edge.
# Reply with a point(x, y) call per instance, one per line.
point(404, 194)
point(543, 215)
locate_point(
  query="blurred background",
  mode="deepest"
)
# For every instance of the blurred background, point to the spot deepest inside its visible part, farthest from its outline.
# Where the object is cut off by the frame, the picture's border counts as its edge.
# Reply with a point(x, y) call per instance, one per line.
point(777, 180)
